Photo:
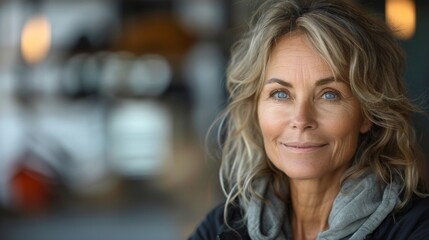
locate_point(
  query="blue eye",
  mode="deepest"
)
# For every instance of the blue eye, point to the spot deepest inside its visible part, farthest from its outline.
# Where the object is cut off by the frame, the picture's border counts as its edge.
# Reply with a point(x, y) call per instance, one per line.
point(280, 95)
point(330, 95)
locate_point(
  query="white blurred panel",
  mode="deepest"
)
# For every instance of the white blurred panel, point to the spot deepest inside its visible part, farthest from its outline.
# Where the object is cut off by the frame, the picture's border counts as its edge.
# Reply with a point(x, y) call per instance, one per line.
point(79, 129)
point(140, 135)
point(12, 136)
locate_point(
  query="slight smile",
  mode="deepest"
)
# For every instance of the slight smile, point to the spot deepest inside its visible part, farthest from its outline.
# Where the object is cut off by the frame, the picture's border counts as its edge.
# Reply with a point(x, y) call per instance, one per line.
point(303, 147)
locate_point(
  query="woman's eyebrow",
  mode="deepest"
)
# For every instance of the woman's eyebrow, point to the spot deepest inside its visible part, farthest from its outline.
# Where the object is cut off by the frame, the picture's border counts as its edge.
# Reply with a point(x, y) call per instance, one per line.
point(279, 81)
point(324, 81)
point(319, 82)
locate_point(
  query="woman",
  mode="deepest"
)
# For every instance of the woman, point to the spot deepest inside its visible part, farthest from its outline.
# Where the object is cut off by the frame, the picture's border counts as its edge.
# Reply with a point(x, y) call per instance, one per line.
point(318, 137)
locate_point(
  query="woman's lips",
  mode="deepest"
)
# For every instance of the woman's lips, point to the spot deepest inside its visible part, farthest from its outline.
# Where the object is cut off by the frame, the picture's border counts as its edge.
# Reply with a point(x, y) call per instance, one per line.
point(304, 147)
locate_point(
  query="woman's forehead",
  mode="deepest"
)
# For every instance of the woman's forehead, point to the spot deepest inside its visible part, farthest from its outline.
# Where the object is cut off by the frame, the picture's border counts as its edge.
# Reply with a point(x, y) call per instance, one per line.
point(293, 52)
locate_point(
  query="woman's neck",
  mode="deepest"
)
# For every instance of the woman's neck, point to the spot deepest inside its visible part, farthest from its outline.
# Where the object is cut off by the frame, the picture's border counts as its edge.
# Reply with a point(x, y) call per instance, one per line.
point(311, 205)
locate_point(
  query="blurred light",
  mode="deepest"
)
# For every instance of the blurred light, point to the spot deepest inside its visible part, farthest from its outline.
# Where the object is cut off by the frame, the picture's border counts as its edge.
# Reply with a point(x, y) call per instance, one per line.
point(109, 76)
point(150, 75)
point(401, 17)
point(36, 39)
point(70, 79)
point(114, 72)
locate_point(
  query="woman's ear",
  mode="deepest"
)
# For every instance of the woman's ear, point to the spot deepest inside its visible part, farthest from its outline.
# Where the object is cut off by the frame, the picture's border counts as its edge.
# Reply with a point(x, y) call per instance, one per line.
point(365, 126)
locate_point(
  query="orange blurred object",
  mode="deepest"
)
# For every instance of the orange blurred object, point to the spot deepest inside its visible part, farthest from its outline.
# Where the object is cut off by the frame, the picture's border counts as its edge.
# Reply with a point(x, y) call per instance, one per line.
point(31, 190)
point(36, 39)
point(401, 17)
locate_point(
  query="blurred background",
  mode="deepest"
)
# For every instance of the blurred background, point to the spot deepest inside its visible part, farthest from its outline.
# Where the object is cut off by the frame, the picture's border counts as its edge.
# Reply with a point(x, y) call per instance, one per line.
point(105, 105)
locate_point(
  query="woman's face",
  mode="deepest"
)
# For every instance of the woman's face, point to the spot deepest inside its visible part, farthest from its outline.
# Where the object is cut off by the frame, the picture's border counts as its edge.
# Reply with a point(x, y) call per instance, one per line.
point(310, 123)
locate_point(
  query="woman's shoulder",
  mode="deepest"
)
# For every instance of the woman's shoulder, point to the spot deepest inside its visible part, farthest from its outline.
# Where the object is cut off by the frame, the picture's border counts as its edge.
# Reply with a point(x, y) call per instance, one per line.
point(210, 226)
point(214, 227)
point(410, 223)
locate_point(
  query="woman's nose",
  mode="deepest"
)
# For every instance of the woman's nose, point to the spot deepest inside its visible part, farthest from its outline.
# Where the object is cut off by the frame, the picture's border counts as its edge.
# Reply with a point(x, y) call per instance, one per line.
point(303, 117)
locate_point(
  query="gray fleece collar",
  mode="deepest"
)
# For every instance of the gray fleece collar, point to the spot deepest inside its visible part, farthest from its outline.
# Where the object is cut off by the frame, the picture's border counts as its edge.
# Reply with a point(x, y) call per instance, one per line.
point(358, 210)
point(360, 207)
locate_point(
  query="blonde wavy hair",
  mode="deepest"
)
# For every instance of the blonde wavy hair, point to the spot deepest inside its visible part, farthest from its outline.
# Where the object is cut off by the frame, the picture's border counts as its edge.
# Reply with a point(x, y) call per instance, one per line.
point(359, 49)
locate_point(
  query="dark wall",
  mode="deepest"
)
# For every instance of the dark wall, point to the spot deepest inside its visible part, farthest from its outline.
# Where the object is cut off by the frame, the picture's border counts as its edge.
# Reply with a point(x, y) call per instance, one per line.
point(417, 69)
point(417, 72)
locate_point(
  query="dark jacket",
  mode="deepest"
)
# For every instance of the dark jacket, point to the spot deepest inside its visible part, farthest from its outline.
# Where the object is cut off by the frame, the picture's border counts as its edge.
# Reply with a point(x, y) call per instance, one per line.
point(410, 223)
